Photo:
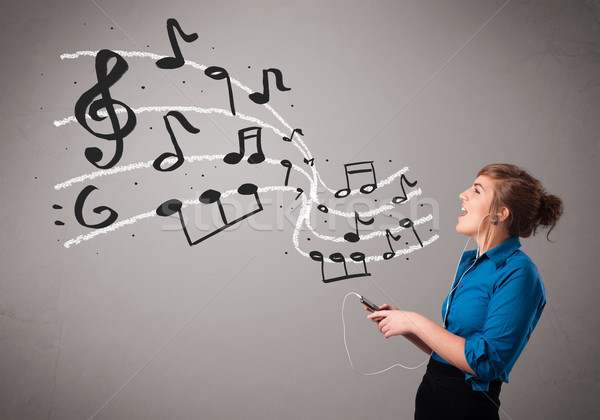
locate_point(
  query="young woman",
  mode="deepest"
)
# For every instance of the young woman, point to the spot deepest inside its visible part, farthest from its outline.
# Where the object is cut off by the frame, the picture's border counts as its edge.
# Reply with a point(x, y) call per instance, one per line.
point(494, 304)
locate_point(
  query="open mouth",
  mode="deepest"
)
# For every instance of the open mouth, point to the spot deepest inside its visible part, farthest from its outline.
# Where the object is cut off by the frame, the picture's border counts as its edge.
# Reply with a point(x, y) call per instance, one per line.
point(463, 211)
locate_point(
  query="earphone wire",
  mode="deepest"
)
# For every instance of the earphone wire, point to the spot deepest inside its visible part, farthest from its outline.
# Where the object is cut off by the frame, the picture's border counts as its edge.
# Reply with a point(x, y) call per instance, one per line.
point(348, 351)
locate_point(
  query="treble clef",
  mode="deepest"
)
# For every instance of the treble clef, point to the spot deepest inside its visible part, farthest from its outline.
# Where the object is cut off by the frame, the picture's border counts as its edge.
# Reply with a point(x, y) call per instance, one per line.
point(105, 80)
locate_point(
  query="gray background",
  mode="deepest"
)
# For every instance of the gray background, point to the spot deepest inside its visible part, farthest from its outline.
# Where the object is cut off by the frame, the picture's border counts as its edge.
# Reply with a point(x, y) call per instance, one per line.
point(136, 324)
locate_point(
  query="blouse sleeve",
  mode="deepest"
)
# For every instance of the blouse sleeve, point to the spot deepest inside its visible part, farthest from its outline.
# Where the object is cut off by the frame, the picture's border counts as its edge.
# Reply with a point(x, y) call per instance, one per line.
point(514, 309)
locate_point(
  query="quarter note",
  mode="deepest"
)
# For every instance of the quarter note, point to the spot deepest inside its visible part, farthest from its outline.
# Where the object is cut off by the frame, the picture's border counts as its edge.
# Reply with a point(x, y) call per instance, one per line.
point(81, 199)
point(337, 257)
point(287, 164)
point(353, 236)
point(178, 152)
point(176, 61)
point(407, 223)
point(357, 168)
point(291, 137)
point(263, 98)
point(105, 80)
point(401, 199)
point(219, 73)
point(234, 157)
point(173, 206)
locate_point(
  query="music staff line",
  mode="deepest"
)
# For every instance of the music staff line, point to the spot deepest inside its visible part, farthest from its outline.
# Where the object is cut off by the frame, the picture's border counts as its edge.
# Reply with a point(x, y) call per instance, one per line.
point(296, 140)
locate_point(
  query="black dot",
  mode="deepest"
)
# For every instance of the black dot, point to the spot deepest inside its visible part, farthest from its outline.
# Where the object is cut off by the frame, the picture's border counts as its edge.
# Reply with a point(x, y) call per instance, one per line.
point(84, 23)
point(390, 160)
point(74, 83)
point(66, 148)
point(308, 239)
point(135, 183)
point(202, 175)
point(41, 108)
point(184, 81)
point(249, 67)
point(148, 46)
point(406, 258)
point(430, 230)
point(407, 243)
point(280, 207)
point(150, 128)
point(326, 160)
point(292, 105)
point(422, 205)
point(35, 177)
point(111, 28)
point(285, 252)
point(376, 200)
point(42, 74)
point(325, 221)
point(143, 87)
point(133, 235)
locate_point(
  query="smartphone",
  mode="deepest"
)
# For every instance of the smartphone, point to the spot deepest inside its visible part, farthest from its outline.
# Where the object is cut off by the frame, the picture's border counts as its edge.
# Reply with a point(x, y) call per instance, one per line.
point(372, 307)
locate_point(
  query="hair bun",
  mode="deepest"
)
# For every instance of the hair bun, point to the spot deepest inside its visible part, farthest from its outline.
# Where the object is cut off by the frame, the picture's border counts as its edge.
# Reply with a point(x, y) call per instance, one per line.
point(551, 208)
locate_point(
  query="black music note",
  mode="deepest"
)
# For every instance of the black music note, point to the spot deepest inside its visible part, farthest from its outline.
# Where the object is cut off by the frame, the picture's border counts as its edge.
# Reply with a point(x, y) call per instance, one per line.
point(287, 164)
point(401, 199)
point(105, 80)
point(178, 153)
point(323, 208)
point(353, 236)
point(173, 206)
point(233, 157)
point(365, 189)
point(300, 191)
point(388, 235)
point(219, 73)
point(310, 162)
point(337, 257)
point(81, 198)
point(176, 61)
point(263, 98)
point(296, 130)
point(407, 223)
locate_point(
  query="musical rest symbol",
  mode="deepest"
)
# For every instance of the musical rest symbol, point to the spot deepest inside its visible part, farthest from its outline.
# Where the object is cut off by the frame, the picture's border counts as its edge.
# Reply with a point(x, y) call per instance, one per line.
point(178, 152)
point(287, 164)
point(310, 162)
point(296, 130)
point(401, 199)
point(349, 170)
point(353, 236)
point(176, 61)
point(173, 206)
point(263, 98)
point(105, 80)
point(81, 198)
point(219, 73)
point(234, 157)
point(337, 257)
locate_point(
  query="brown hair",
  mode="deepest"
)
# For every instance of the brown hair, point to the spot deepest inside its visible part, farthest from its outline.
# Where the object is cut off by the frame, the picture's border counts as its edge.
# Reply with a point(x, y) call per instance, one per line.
point(526, 199)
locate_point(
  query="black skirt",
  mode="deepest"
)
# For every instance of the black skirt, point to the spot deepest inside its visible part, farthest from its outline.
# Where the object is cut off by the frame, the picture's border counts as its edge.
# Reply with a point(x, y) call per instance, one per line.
point(444, 394)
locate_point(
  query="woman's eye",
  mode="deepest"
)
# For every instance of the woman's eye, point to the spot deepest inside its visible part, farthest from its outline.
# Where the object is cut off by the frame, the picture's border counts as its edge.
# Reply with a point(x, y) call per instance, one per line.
point(476, 190)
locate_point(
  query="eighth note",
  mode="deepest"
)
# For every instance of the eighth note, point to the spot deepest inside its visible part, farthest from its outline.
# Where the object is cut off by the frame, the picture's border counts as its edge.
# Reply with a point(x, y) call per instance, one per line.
point(178, 153)
point(263, 98)
point(310, 162)
point(349, 170)
point(401, 199)
point(353, 236)
point(291, 137)
point(234, 157)
point(407, 223)
point(176, 61)
point(392, 253)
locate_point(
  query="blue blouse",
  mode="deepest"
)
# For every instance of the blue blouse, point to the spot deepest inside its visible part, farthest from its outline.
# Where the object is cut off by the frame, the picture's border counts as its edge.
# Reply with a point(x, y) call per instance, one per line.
point(495, 307)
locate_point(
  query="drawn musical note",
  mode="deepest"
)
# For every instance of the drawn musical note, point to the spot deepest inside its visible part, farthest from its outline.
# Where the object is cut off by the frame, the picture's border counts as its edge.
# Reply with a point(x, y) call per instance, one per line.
point(322, 208)
point(105, 80)
point(219, 73)
point(170, 207)
point(233, 157)
point(388, 235)
point(176, 61)
point(407, 223)
point(263, 98)
point(300, 191)
point(339, 258)
point(401, 199)
point(366, 188)
point(310, 162)
point(287, 164)
point(353, 236)
point(296, 130)
point(178, 153)
point(81, 198)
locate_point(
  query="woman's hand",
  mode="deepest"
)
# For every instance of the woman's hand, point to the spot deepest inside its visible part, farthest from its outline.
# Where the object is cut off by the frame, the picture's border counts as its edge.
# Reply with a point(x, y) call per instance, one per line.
point(392, 321)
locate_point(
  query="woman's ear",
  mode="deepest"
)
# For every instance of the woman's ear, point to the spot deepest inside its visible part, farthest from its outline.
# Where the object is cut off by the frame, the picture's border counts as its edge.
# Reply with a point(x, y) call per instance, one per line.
point(503, 214)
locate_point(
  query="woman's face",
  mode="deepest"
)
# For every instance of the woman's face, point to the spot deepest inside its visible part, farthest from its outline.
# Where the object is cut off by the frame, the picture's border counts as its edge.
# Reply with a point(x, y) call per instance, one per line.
point(476, 203)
